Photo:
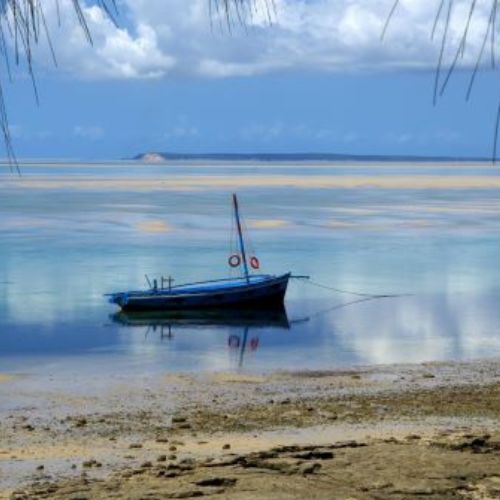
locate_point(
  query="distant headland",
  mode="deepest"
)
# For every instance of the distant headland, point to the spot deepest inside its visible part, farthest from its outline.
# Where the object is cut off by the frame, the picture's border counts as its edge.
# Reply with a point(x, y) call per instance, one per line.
point(161, 157)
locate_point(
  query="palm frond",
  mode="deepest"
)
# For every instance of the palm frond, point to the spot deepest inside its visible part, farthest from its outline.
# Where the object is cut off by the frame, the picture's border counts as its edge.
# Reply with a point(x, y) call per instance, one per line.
point(458, 45)
point(22, 22)
point(240, 12)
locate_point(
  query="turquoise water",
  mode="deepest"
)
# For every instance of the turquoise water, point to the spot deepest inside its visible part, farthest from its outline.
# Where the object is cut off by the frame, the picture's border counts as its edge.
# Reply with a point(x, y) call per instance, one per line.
point(62, 246)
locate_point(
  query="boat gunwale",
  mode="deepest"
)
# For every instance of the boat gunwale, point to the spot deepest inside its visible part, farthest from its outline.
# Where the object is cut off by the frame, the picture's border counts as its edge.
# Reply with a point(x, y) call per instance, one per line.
point(159, 294)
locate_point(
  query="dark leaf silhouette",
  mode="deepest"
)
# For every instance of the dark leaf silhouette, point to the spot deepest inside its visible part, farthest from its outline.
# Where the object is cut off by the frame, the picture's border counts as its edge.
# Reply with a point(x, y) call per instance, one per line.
point(23, 26)
point(458, 47)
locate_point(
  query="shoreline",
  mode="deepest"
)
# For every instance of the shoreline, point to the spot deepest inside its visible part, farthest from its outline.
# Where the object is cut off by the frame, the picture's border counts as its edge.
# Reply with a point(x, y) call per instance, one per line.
point(187, 183)
point(186, 435)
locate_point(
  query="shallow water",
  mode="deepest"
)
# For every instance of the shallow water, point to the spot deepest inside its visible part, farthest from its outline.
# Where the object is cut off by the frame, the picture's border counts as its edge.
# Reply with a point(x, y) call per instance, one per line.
point(62, 248)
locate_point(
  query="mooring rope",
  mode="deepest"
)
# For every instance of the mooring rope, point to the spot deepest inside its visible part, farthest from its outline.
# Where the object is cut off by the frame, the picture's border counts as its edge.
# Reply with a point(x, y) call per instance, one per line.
point(357, 294)
point(322, 312)
point(363, 297)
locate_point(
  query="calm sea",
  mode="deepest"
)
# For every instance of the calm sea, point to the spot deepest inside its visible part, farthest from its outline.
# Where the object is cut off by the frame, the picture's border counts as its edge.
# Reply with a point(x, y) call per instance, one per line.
point(71, 233)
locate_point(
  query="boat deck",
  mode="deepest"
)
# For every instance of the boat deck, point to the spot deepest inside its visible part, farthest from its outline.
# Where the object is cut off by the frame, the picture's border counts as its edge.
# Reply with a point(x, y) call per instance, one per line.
point(205, 286)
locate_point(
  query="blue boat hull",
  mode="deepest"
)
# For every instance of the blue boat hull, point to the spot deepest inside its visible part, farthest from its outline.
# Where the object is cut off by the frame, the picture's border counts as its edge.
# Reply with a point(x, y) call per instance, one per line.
point(266, 293)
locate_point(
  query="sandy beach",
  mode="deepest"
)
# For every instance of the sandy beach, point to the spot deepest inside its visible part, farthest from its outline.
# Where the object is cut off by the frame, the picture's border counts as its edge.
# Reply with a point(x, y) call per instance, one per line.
point(402, 431)
point(249, 249)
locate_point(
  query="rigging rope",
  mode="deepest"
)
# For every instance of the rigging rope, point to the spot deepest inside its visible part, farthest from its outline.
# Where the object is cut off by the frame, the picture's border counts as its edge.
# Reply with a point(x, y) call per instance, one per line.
point(248, 237)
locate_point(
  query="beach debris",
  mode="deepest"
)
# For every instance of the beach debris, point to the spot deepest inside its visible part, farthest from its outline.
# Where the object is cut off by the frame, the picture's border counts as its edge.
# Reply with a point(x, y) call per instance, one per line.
point(391, 440)
point(478, 444)
point(81, 422)
point(315, 455)
point(181, 467)
point(179, 420)
point(91, 463)
point(133, 446)
point(223, 462)
point(170, 474)
point(309, 468)
point(227, 446)
point(187, 494)
point(217, 481)
point(413, 437)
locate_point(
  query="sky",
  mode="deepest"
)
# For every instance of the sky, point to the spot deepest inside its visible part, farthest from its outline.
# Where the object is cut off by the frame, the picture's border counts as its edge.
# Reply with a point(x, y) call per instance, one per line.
point(305, 76)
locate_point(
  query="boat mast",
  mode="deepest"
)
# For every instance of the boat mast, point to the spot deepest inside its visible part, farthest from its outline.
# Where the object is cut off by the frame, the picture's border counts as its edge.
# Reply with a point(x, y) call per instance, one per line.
point(240, 236)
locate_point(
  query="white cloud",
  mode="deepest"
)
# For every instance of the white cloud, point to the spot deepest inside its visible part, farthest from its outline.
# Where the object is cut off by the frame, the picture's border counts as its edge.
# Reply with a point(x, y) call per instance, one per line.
point(92, 133)
point(181, 132)
point(116, 52)
point(182, 129)
point(263, 132)
point(163, 38)
point(270, 132)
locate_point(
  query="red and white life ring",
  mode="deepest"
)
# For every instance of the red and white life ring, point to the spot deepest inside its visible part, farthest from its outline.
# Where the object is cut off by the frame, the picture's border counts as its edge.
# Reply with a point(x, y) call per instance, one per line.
point(254, 262)
point(254, 343)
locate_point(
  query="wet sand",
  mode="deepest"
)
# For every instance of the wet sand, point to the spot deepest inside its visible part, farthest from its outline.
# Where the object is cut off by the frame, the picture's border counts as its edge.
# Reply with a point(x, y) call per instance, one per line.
point(428, 430)
point(177, 182)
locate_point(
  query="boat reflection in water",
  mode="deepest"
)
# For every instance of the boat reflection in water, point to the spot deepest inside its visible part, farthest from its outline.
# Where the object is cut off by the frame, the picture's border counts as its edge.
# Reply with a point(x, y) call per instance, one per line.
point(248, 320)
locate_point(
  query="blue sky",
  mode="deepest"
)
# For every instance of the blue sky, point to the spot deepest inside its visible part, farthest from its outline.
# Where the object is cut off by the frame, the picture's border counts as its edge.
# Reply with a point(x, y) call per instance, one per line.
point(167, 83)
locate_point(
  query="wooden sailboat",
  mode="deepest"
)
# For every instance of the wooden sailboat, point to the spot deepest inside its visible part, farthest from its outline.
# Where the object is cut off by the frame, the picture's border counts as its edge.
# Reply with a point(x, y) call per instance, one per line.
point(249, 290)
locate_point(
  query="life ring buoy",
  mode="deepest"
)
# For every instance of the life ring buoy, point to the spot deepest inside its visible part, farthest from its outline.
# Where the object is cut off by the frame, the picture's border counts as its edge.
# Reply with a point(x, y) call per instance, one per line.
point(254, 343)
point(254, 262)
point(234, 260)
